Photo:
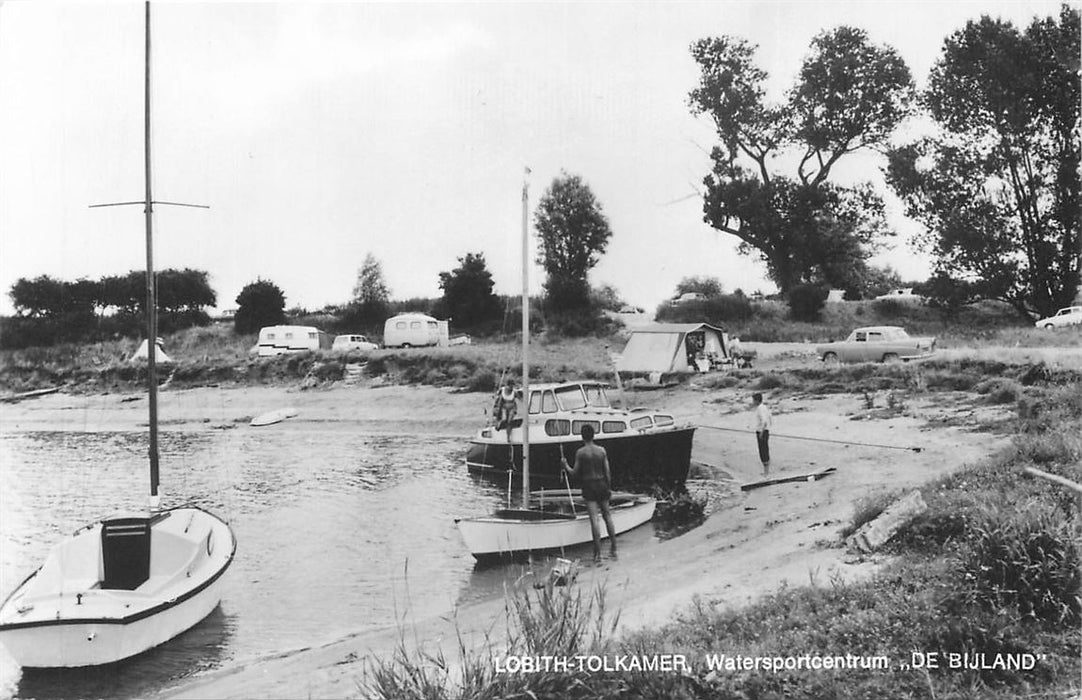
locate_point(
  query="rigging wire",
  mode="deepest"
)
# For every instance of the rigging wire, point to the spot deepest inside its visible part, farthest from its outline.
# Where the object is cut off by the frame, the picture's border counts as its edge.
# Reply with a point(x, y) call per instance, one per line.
point(814, 439)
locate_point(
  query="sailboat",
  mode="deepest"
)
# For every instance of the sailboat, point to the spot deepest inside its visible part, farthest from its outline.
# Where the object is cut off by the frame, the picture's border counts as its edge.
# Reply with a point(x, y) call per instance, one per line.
point(548, 519)
point(129, 582)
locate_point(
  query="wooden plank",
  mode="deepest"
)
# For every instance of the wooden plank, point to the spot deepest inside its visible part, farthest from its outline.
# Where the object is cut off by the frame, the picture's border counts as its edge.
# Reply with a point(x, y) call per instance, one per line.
point(29, 395)
point(811, 476)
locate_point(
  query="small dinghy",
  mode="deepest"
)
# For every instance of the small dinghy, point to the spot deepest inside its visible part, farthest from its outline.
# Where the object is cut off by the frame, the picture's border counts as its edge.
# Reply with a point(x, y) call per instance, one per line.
point(272, 417)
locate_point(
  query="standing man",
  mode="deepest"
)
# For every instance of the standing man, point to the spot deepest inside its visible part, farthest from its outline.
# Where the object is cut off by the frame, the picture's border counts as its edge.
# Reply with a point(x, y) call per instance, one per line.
point(592, 472)
point(763, 421)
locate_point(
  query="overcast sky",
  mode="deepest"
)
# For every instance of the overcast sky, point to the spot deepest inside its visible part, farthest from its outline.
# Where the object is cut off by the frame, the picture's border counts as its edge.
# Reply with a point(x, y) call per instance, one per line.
point(320, 132)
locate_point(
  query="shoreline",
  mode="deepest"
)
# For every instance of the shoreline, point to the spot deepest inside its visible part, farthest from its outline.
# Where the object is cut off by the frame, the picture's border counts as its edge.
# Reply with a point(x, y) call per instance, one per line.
point(757, 541)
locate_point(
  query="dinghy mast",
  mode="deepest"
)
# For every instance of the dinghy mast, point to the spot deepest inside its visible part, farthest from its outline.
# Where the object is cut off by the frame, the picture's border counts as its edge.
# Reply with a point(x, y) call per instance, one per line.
point(151, 308)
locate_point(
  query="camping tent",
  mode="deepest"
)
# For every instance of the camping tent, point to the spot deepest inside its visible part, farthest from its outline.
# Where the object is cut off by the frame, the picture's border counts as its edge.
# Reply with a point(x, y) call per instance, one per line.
point(159, 354)
point(667, 347)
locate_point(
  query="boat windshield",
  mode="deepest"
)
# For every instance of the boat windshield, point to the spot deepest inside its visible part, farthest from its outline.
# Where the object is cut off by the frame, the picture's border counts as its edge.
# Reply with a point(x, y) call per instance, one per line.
point(582, 395)
point(595, 396)
point(570, 397)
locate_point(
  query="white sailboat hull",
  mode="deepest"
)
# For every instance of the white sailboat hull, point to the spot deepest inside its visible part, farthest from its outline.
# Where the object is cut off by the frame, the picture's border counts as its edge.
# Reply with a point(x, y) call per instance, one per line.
point(62, 616)
point(494, 536)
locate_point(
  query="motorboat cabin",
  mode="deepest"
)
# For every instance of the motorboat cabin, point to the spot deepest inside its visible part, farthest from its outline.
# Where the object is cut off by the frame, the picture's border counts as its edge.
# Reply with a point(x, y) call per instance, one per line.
point(646, 447)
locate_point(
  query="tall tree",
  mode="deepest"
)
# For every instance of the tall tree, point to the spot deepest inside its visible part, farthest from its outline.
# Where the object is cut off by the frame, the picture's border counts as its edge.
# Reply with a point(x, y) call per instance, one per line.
point(574, 233)
point(369, 306)
point(260, 303)
point(467, 292)
point(850, 94)
point(370, 287)
point(998, 186)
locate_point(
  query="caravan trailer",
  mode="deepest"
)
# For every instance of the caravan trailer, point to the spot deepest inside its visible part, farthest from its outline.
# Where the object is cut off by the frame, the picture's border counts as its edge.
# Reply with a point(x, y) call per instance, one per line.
point(411, 330)
point(281, 340)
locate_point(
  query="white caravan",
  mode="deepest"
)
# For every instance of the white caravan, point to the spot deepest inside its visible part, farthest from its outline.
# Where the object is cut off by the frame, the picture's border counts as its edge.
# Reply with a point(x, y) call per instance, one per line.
point(413, 330)
point(281, 340)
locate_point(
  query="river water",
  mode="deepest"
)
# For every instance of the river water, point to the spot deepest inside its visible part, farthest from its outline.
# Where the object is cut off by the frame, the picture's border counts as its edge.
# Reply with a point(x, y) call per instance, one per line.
point(338, 532)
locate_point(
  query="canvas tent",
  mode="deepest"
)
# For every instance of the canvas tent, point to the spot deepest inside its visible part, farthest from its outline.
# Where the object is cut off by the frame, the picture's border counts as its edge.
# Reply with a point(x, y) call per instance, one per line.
point(159, 354)
point(667, 347)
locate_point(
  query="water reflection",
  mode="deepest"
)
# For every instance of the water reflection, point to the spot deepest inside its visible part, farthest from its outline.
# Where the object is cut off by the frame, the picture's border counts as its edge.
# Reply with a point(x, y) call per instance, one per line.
point(338, 533)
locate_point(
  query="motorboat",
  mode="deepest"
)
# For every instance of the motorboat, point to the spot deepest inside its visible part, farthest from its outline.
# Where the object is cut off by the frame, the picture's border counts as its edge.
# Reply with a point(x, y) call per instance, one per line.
point(646, 447)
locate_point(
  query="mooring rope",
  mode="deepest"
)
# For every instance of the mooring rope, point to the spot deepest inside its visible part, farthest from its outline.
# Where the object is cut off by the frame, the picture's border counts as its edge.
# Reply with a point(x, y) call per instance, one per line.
point(813, 439)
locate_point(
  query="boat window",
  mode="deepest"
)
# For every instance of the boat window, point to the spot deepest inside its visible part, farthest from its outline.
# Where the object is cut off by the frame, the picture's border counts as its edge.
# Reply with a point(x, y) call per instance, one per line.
point(535, 402)
point(432, 324)
point(400, 324)
point(270, 336)
point(557, 427)
point(289, 335)
point(570, 397)
point(311, 335)
point(663, 420)
point(640, 423)
point(548, 403)
point(576, 426)
point(415, 324)
point(613, 426)
point(595, 396)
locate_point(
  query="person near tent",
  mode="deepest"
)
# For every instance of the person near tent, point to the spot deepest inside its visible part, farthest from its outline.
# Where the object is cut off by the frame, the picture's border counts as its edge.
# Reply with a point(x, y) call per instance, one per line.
point(505, 407)
point(763, 420)
point(594, 477)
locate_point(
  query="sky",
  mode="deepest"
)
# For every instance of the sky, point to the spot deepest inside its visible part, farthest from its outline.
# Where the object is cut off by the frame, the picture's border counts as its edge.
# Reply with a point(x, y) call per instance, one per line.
point(320, 132)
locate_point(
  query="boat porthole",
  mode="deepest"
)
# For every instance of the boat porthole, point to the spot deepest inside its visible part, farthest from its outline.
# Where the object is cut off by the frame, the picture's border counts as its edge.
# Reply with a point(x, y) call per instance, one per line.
point(210, 543)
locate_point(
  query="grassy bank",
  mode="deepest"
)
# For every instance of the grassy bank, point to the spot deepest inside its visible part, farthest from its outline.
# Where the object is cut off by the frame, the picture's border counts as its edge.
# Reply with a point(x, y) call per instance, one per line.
point(214, 356)
point(990, 573)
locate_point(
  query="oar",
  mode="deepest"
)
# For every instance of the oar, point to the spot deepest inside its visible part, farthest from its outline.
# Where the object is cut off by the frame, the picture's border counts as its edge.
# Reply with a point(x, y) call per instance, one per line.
point(567, 481)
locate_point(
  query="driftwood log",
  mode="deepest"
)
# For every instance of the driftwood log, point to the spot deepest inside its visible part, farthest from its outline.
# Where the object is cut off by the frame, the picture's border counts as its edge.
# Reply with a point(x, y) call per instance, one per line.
point(873, 534)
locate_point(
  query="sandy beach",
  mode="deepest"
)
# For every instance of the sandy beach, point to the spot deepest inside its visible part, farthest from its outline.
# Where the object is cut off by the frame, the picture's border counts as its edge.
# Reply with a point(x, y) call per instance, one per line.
point(748, 546)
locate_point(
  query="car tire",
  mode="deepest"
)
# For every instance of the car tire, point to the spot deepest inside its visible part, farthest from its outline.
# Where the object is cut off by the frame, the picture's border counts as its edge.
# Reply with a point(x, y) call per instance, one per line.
point(830, 359)
point(1049, 326)
point(890, 358)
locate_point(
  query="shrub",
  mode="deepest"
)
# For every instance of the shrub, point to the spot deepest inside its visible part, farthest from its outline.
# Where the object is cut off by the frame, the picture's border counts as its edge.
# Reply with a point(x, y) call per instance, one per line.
point(769, 381)
point(889, 308)
point(806, 302)
point(726, 308)
point(1028, 559)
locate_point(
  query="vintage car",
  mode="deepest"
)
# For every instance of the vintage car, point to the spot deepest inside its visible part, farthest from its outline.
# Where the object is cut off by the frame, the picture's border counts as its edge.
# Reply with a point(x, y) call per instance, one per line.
point(1070, 316)
point(876, 344)
point(353, 341)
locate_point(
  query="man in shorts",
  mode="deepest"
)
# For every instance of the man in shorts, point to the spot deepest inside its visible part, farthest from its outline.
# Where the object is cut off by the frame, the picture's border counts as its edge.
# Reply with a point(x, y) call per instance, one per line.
point(593, 475)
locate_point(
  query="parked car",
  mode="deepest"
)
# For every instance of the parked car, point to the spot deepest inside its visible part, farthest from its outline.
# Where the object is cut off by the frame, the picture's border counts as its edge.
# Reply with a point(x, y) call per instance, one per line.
point(687, 297)
point(876, 344)
point(353, 342)
point(1070, 316)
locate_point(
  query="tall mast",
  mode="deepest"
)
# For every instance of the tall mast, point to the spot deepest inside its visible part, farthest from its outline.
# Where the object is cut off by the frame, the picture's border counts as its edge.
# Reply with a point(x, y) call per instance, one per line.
point(525, 347)
point(152, 309)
